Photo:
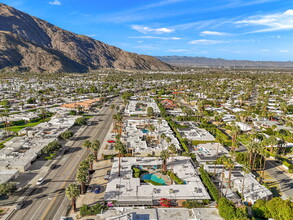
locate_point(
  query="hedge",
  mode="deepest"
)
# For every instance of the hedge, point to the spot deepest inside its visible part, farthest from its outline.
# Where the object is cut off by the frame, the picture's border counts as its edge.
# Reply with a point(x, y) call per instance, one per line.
point(195, 204)
point(91, 210)
point(209, 184)
point(174, 177)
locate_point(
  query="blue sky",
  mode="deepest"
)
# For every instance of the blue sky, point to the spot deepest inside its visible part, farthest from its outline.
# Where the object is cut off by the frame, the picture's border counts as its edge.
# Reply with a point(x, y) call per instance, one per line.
point(229, 29)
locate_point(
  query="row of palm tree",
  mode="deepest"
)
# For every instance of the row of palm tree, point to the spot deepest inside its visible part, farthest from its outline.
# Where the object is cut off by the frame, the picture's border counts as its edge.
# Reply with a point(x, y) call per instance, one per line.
point(93, 146)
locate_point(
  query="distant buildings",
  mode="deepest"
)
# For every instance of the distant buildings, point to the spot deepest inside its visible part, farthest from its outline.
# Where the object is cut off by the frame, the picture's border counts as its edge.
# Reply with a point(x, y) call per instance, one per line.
point(140, 107)
point(144, 137)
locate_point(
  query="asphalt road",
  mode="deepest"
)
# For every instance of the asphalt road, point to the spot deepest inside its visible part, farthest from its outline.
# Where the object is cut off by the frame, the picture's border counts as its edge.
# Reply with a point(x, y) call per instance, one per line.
point(48, 201)
point(286, 183)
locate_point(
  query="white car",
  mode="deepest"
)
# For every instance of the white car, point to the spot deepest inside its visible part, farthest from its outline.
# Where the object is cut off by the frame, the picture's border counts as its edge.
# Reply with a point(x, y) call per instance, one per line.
point(40, 181)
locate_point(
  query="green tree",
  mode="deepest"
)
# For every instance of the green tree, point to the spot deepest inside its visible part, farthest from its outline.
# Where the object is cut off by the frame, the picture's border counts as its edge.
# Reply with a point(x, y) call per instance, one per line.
point(150, 111)
point(72, 192)
point(121, 148)
point(7, 188)
point(95, 146)
point(91, 158)
point(164, 156)
point(229, 164)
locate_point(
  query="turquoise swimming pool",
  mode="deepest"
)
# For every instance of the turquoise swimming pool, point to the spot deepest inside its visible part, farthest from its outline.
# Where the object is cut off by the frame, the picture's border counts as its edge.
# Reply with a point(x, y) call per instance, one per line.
point(154, 178)
point(145, 131)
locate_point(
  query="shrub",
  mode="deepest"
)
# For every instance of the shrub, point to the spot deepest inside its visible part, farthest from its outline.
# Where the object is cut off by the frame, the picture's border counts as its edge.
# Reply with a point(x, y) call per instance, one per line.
point(153, 182)
point(7, 188)
point(80, 121)
point(51, 148)
point(174, 177)
point(66, 134)
point(260, 210)
point(91, 210)
point(109, 156)
point(209, 184)
point(194, 204)
point(228, 211)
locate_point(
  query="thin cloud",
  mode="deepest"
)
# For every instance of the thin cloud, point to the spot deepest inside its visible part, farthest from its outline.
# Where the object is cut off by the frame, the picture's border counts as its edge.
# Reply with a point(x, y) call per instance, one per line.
point(273, 22)
point(145, 30)
point(214, 33)
point(178, 50)
point(206, 42)
point(284, 51)
point(155, 37)
point(56, 2)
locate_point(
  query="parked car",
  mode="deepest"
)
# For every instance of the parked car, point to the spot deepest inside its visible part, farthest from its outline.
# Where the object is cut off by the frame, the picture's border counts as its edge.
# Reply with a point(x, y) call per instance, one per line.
point(106, 177)
point(40, 181)
point(19, 205)
point(111, 141)
point(53, 166)
point(97, 189)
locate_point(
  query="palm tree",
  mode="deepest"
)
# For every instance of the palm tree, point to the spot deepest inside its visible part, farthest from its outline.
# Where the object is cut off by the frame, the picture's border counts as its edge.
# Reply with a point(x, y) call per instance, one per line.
point(271, 141)
point(72, 192)
point(121, 148)
point(164, 155)
point(82, 177)
point(95, 146)
point(83, 173)
point(87, 144)
point(263, 153)
point(91, 158)
point(219, 140)
point(172, 149)
point(229, 164)
point(234, 132)
point(250, 148)
point(118, 117)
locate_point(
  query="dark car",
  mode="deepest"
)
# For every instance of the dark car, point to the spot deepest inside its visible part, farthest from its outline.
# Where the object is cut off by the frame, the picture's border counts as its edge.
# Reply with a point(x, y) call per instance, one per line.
point(97, 189)
point(53, 166)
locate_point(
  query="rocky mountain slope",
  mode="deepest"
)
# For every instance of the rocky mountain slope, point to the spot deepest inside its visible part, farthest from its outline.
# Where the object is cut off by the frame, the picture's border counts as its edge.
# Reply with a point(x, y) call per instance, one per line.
point(27, 42)
point(210, 62)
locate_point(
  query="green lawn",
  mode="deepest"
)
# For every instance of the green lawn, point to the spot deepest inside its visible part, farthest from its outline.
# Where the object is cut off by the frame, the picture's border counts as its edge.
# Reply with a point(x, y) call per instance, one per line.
point(17, 128)
point(2, 143)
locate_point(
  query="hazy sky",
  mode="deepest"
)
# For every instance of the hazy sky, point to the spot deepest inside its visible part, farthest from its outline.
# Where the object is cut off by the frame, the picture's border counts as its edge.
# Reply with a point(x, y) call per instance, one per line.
point(230, 29)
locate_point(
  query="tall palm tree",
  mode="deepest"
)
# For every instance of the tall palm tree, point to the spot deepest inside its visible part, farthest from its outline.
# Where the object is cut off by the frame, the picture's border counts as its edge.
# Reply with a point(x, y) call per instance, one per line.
point(118, 117)
point(164, 155)
point(234, 132)
point(263, 153)
point(95, 146)
point(91, 158)
point(82, 177)
point(271, 141)
point(72, 192)
point(87, 144)
point(83, 174)
point(172, 149)
point(229, 164)
point(121, 148)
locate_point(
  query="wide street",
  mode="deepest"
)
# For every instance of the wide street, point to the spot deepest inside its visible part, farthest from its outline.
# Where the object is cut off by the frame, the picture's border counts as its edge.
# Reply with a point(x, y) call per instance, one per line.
point(286, 183)
point(48, 200)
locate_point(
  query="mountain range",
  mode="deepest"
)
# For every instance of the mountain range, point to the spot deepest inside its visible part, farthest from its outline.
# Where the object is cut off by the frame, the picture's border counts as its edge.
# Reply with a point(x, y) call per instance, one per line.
point(210, 62)
point(32, 44)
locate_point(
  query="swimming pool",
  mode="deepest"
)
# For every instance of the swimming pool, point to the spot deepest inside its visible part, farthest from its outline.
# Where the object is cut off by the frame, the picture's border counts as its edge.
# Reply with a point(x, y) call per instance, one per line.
point(145, 131)
point(154, 178)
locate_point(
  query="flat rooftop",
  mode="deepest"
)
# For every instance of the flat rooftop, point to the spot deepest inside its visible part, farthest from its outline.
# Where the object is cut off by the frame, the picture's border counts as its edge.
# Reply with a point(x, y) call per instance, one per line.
point(129, 190)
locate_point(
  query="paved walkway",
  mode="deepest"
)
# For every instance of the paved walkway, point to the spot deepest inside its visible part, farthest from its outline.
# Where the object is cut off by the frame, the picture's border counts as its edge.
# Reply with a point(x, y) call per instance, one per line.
point(101, 167)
